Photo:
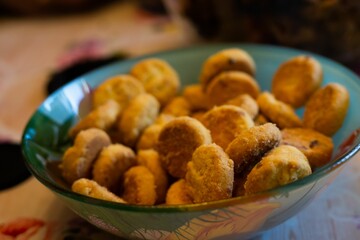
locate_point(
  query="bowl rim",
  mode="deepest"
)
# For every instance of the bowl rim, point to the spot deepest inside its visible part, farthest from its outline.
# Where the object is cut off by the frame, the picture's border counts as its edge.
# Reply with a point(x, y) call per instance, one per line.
point(320, 172)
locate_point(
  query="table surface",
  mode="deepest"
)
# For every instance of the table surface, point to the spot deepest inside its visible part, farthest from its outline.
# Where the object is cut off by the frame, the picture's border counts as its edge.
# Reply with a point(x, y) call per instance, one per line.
point(32, 49)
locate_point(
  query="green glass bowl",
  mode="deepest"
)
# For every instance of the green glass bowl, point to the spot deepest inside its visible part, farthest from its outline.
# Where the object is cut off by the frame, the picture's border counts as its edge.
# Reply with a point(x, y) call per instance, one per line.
point(45, 139)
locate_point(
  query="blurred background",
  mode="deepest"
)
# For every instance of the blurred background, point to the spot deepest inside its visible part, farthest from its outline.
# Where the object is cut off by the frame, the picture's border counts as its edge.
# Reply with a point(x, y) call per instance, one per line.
point(328, 27)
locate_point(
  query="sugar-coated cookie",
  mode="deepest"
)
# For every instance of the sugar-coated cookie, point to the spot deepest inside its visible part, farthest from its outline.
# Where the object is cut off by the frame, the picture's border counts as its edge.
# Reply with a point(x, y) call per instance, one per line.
point(210, 174)
point(251, 145)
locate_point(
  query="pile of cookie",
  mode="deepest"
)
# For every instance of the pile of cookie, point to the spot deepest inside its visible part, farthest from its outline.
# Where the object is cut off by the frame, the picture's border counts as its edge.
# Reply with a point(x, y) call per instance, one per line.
point(144, 143)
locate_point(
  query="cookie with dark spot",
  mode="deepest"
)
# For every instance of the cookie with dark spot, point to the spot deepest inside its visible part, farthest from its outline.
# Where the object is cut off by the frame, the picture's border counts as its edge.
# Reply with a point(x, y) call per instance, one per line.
point(316, 146)
point(226, 60)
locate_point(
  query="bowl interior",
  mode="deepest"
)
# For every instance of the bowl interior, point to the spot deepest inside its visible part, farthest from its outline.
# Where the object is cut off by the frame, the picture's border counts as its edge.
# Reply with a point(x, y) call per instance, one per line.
point(45, 136)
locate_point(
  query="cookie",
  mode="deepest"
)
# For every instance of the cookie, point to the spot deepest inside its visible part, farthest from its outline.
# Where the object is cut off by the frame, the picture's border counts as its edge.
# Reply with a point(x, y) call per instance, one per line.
point(226, 60)
point(121, 88)
point(260, 119)
point(210, 174)
point(158, 77)
point(139, 186)
point(315, 146)
point(92, 189)
point(251, 145)
point(327, 108)
point(111, 164)
point(282, 114)
point(225, 123)
point(150, 135)
point(296, 80)
point(230, 84)
point(197, 98)
point(150, 159)
point(139, 114)
point(178, 193)
point(177, 107)
point(281, 166)
point(178, 140)
point(246, 102)
point(77, 160)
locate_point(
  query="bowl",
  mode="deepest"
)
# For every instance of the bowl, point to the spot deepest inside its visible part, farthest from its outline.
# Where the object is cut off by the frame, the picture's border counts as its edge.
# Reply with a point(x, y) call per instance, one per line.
point(45, 139)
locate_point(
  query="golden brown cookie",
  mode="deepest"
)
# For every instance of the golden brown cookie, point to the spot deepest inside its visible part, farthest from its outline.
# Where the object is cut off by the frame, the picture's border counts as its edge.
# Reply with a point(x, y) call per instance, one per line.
point(246, 102)
point(77, 160)
point(158, 78)
point(139, 114)
point(197, 98)
point(327, 108)
point(178, 193)
point(121, 88)
point(102, 117)
point(177, 107)
point(228, 59)
point(315, 146)
point(111, 164)
point(260, 119)
point(278, 112)
point(225, 123)
point(92, 189)
point(296, 80)
point(283, 165)
point(150, 135)
point(150, 159)
point(230, 84)
point(210, 174)
point(162, 119)
point(252, 144)
point(139, 186)
point(178, 140)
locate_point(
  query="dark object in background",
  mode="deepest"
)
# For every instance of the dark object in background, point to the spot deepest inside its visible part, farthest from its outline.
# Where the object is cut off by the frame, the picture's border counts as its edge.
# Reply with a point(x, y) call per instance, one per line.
point(46, 7)
point(154, 6)
point(60, 78)
point(328, 27)
point(12, 165)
